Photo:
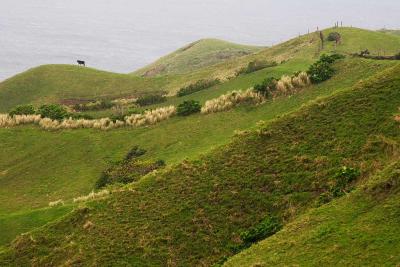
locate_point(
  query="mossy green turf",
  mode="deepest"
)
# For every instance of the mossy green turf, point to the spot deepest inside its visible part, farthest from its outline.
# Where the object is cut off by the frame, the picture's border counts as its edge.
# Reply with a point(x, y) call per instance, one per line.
point(197, 55)
point(192, 213)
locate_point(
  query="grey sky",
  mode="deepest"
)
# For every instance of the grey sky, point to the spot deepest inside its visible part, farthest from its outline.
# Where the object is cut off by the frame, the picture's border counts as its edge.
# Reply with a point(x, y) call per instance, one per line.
point(122, 35)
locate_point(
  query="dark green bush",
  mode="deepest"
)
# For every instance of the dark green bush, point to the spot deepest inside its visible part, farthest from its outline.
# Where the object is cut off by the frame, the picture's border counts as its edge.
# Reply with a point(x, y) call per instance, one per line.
point(78, 116)
point(53, 111)
point(343, 178)
point(117, 117)
point(198, 86)
point(23, 110)
point(134, 153)
point(255, 66)
point(93, 106)
point(333, 36)
point(266, 87)
point(151, 100)
point(188, 107)
point(397, 56)
point(322, 70)
point(131, 169)
point(341, 184)
point(267, 227)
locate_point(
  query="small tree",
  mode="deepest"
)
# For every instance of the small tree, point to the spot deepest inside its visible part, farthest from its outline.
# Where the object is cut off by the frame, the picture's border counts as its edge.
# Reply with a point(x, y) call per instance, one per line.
point(188, 107)
point(23, 110)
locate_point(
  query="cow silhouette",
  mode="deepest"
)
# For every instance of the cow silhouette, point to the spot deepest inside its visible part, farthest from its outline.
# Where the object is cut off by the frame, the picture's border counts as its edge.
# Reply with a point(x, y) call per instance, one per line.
point(81, 63)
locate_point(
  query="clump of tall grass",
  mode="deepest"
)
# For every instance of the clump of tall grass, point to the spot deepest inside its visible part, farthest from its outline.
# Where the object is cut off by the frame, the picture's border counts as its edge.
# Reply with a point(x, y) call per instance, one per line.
point(93, 195)
point(59, 202)
point(230, 100)
point(102, 124)
point(10, 121)
point(151, 116)
point(288, 85)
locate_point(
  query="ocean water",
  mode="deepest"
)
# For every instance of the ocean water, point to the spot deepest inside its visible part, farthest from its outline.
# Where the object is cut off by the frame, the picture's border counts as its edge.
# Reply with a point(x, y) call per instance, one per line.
point(123, 35)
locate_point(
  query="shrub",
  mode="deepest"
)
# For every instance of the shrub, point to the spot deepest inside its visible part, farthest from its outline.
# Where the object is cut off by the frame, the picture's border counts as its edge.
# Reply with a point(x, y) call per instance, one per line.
point(333, 36)
point(188, 107)
point(23, 110)
point(255, 66)
point(97, 105)
point(134, 153)
point(322, 70)
point(53, 111)
point(397, 56)
point(266, 87)
point(198, 86)
point(343, 177)
point(129, 170)
point(267, 227)
point(151, 100)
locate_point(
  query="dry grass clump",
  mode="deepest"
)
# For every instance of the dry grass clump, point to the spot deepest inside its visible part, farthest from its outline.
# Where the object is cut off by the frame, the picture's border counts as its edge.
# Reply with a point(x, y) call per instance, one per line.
point(124, 101)
point(103, 124)
point(288, 85)
point(230, 100)
point(151, 116)
point(59, 202)
point(10, 121)
point(93, 195)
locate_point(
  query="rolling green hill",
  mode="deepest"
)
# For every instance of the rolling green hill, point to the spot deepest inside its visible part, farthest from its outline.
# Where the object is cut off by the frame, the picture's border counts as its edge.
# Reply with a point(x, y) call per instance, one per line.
point(57, 83)
point(197, 55)
point(192, 213)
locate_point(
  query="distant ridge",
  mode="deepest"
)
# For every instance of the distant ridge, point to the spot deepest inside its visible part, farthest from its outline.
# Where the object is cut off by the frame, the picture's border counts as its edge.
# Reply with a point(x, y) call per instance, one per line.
point(196, 55)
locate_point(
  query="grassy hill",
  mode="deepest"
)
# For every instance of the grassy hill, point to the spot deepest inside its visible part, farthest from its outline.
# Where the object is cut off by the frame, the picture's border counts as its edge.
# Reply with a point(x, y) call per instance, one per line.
point(197, 55)
point(192, 213)
point(55, 83)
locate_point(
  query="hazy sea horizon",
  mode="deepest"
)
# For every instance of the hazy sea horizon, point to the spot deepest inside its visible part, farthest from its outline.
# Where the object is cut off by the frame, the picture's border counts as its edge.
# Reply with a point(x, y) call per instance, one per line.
point(122, 35)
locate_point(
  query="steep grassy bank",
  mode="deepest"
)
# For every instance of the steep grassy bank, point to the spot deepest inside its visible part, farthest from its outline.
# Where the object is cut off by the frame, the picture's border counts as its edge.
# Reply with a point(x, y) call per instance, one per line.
point(193, 213)
point(360, 229)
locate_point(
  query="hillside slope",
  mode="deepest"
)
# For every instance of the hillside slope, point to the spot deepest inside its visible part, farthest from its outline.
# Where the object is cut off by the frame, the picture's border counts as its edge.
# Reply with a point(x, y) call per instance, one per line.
point(197, 55)
point(36, 165)
point(192, 213)
point(360, 229)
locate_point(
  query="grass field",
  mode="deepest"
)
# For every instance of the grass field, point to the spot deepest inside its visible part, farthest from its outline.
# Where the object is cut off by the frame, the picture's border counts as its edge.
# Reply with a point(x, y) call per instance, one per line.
point(192, 213)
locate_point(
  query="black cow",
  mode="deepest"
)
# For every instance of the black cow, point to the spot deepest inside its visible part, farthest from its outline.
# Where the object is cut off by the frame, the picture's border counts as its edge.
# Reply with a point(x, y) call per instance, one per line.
point(81, 63)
